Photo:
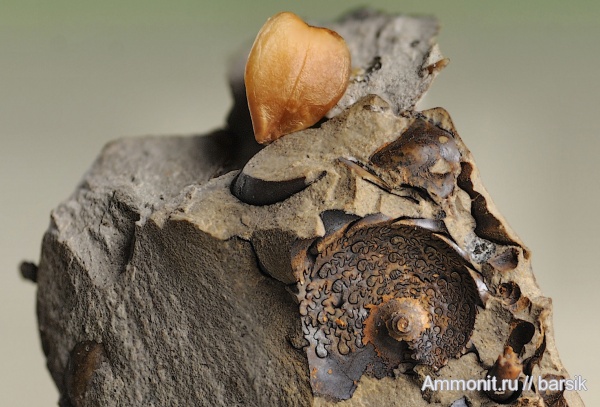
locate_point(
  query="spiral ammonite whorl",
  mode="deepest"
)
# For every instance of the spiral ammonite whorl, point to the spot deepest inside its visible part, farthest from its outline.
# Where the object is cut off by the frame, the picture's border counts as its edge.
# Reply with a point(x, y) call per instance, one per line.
point(375, 294)
point(405, 319)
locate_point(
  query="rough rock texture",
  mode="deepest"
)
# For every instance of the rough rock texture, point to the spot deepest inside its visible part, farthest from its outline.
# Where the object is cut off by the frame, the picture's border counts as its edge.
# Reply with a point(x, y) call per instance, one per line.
point(159, 284)
point(394, 58)
point(167, 302)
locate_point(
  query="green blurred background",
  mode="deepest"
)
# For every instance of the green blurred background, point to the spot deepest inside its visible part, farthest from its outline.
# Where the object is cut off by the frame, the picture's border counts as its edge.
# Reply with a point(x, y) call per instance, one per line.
point(522, 88)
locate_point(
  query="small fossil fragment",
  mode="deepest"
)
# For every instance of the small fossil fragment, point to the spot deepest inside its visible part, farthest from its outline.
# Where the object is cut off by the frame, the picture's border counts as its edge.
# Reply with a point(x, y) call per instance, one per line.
point(553, 397)
point(511, 295)
point(294, 75)
point(377, 293)
point(83, 361)
point(424, 157)
point(255, 191)
point(510, 292)
point(507, 369)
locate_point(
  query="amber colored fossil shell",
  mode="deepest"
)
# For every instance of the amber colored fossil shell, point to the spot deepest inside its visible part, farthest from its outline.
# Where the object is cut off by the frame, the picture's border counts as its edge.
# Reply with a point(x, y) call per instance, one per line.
point(294, 75)
point(507, 367)
point(377, 293)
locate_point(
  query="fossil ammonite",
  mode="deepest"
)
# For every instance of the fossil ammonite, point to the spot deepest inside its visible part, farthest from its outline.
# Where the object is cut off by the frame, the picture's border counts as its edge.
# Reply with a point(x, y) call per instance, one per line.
point(378, 293)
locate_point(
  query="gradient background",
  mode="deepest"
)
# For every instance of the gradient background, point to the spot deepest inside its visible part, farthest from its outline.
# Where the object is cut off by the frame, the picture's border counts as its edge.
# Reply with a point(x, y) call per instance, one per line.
point(522, 88)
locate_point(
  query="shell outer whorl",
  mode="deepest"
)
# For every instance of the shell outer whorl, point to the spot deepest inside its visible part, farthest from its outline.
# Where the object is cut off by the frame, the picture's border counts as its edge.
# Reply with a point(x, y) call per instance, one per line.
point(355, 280)
point(425, 156)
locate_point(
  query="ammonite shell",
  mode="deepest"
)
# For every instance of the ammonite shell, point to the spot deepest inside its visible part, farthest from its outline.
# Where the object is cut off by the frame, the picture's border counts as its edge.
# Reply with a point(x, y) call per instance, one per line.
point(375, 294)
point(425, 157)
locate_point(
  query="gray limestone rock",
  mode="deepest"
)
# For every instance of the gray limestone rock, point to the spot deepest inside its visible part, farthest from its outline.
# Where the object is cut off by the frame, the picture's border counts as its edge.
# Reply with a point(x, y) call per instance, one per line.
point(174, 310)
point(171, 277)
point(393, 57)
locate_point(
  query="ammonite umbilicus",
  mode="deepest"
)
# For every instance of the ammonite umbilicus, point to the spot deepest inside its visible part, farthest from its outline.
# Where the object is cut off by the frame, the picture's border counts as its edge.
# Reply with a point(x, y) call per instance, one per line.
point(378, 293)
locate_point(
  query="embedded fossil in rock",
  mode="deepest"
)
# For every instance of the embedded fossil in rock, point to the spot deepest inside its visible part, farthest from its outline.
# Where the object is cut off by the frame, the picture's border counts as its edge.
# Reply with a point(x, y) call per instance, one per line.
point(83, 361)
point(255, 191)
point(378, 293)
point(424, 157)
point(423, 271)
point(508, 367)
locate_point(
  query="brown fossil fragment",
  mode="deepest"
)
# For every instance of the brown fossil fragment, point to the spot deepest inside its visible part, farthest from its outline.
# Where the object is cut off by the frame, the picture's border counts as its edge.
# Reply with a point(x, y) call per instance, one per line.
point(294, 75)
point(377, 293)
point(508, 367)
point(510, 293)
point(83, 361)
point(426, 157)
point(506, 372)
point(487, 224)
point(554, 397)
